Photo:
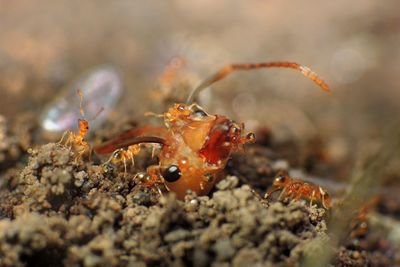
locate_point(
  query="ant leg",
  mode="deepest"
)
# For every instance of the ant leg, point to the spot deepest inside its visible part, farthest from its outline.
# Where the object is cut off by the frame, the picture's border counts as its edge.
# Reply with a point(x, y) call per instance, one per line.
point(62, 137)
point(153, 152)
point(70, 140)
point(79, 156)
point(158, 190)
point(326, 202)
point(283, 193)
point(132, 161)
point(109, 159)
point(261, 199)
point(312, 198)
point(270, 192)
point(152, 114)
point(114, 155)
point(124, 161)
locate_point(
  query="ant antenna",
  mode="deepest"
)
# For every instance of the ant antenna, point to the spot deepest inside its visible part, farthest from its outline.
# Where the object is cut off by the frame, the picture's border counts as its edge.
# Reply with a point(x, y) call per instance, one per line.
point(228, 69)
point(97, 114)
point(80, 94)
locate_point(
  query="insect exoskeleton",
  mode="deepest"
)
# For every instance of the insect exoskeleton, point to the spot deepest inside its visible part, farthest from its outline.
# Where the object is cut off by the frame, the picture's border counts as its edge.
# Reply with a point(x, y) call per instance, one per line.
point(195, 148)
point(195, 145)
point(299, 189)
point(75, 140)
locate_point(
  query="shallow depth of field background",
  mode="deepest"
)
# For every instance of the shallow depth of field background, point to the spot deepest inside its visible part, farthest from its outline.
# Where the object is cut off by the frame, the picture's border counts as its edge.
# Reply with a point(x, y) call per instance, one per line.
point(353, 45)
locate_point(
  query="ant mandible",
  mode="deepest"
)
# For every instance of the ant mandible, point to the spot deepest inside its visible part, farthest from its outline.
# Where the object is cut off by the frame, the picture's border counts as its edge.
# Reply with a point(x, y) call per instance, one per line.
point(195, 145)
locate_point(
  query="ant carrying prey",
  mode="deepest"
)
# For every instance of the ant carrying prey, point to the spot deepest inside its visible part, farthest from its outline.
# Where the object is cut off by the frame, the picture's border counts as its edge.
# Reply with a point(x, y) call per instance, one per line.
point(195, 145)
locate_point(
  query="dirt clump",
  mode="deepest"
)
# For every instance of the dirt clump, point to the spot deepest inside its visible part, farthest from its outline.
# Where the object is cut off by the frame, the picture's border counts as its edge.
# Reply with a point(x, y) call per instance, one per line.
point(72, 213)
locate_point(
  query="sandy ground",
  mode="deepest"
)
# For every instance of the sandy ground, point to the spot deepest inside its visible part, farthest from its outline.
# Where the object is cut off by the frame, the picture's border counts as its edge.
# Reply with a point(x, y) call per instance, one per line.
point(59, 211)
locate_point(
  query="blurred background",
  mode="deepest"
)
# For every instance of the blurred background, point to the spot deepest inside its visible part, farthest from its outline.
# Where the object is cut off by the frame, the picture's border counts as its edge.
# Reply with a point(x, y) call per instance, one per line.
point(354, 46)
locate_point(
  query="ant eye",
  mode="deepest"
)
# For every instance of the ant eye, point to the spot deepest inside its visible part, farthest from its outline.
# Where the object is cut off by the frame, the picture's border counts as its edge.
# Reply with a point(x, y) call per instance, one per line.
point(235, 130)
point(280, 179)
point(172, 173)
point(117, 154)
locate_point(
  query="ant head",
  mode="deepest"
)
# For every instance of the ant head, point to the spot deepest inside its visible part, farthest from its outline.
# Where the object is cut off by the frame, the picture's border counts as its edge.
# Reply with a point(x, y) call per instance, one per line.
point(326, 199)
point(281, 180)
point(179, 111)
point(235, 133)
point(83, 126)
point(181, 114)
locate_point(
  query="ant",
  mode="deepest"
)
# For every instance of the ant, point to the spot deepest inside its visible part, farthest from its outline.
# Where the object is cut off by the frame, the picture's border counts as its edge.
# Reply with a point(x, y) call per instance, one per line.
point(195, 145)
point(296, 189)
point(123, 155)
point(75, 140)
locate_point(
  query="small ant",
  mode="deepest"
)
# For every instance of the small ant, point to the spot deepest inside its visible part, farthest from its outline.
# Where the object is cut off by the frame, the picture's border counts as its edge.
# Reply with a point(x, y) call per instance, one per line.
point(75, 140)
point(122, 155)
point(195, 145)
point(296, 189)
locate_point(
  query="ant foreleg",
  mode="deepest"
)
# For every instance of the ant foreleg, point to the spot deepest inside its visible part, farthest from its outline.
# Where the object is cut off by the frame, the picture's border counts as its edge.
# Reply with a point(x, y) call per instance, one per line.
point(270, 192)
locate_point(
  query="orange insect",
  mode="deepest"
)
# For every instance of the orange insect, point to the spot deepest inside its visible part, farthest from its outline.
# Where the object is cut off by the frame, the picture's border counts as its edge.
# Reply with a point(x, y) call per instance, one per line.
point(76, 140)
point(195, 145)
point(123, 155)
point(296, 189)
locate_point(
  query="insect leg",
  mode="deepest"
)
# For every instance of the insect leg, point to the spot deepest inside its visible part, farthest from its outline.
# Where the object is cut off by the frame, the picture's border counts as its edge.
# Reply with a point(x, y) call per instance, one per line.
point(132, 160)
point(124, 161)
point(63, 136)
point(312, 198)
point(271, 191)
point(283, 193)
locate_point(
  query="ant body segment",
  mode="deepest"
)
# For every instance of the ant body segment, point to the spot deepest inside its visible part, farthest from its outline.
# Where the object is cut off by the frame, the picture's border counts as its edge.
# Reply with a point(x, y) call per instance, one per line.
point(299, 189)
point(195, 145)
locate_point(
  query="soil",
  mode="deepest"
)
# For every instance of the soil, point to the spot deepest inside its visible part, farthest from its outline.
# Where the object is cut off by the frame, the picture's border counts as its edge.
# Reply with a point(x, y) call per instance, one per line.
point(58, 210)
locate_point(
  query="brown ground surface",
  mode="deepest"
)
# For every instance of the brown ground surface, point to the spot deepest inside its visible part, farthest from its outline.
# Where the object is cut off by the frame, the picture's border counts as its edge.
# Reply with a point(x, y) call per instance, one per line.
point(56, 211)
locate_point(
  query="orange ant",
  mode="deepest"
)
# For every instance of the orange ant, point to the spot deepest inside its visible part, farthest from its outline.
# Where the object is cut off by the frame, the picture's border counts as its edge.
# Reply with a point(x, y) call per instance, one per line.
point(123, 155)
point(296, 189)
point(76, 140)
point(195, 145)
